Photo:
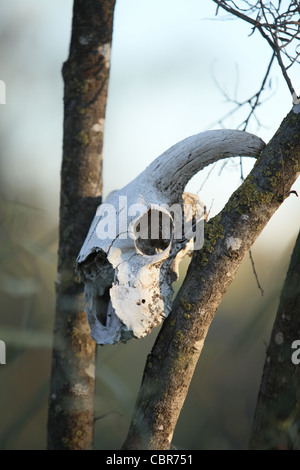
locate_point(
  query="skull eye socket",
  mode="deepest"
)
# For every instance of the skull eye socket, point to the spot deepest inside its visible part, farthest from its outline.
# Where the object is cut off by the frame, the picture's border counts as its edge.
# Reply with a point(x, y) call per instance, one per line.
point(153, 232)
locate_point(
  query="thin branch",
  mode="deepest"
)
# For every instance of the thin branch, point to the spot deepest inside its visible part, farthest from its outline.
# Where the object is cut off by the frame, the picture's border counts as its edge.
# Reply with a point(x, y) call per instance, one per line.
point(255, 273)
point(109, 413)
point(275, 29)
point(258, 94)
point(254, 101)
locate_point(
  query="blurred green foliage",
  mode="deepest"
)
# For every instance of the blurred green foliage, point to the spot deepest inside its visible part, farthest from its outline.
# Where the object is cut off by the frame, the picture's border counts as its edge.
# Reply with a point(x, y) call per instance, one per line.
point(27, 271)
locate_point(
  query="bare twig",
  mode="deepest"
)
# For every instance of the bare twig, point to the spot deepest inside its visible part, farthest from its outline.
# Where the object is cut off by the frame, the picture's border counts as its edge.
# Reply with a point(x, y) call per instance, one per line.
point(255, 273)
point(109, 413)
point(281, 29)
point(254, 101)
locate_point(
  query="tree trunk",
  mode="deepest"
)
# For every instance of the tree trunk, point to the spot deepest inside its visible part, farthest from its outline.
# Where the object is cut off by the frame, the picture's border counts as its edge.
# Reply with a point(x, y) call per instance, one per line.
point(85, 73)
point(228, 237)
point(277, 417)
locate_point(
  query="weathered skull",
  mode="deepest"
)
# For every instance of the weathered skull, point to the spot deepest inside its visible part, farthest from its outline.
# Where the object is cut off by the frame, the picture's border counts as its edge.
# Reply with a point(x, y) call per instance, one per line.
point(140, 233)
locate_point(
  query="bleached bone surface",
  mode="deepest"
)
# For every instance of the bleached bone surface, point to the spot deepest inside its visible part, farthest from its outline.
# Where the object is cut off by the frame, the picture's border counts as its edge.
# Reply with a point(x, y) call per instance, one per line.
point(137, 273)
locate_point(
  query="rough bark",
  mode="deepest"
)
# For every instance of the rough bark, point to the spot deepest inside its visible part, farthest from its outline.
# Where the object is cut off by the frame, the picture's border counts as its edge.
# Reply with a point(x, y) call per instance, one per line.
point(85, 73)
point(228, 237)
point(277, 417)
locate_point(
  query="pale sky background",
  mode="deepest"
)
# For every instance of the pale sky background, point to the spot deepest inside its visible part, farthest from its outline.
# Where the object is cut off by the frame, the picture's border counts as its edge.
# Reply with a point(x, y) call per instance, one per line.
point(164, 56)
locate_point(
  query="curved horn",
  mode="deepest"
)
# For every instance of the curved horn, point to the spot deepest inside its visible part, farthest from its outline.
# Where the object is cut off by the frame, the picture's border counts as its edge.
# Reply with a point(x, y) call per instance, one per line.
point(170, 172)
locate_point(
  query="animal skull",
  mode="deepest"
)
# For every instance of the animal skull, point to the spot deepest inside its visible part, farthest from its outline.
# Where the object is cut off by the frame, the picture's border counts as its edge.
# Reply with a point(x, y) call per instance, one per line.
point(123, 259)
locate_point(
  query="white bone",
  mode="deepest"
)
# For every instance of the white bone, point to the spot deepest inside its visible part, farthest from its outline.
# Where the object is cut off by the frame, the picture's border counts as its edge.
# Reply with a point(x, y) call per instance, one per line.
point(171, 171)
point(138, 273)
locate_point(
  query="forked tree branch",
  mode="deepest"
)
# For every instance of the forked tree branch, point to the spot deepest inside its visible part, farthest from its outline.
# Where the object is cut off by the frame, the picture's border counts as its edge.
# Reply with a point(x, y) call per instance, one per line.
point(228, 236)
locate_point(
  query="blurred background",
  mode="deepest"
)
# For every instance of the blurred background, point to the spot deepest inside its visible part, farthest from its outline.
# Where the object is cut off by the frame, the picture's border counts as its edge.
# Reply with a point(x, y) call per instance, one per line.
point(170, 60)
